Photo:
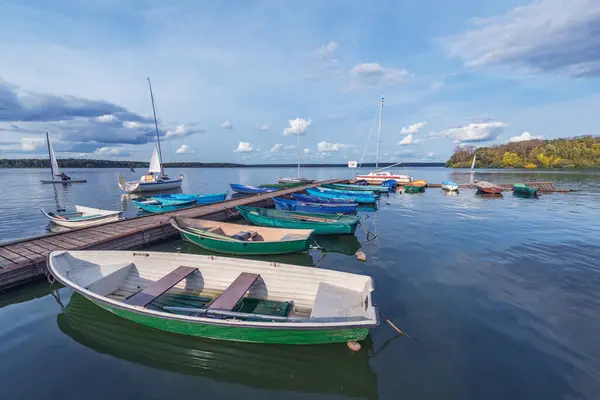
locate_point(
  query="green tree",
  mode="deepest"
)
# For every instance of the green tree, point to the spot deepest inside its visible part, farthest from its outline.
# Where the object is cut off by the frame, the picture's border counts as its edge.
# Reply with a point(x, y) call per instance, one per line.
point(510, 159)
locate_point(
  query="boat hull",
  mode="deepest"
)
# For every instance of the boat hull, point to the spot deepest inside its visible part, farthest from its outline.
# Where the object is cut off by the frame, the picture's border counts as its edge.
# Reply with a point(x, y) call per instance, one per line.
point(450, 187)
point(295, 180)
point(379, 179)
point(363, 199)
point(61, 182)
point(413, 189)
point(165, 207)
point(198, 198)
point(241, 334)
point(318, 199)
point(145, 187)
point(246, 189)
point(356, 188)
point(85, 224)
point(321, 208)
point(344, 225)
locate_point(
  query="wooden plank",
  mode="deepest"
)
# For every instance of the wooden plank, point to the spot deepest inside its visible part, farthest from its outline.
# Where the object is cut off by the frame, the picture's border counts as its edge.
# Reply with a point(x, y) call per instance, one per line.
point(12, 256)
point(32, 246)
point(159, 287)
point(232, 295)
point(45, 245)
point(28, 254)
point(5, 263)
point(56, 242)
point(68, 241)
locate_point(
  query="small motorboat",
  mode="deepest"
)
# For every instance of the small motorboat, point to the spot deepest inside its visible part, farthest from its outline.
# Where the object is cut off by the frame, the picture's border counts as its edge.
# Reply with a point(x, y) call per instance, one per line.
point(414, 189)
point(524, 190)
point(225, 237)
point(82, 217)
point(222, 298)
point(487, 187)
point(319, 199)
point(419, 182)
point(364, 198)
point(347, 192)
point(322, 224)
point(247, 189)
point(153, 205)
point(208, 198)
point(449, 185)
point(321, 208)
point(356, 188)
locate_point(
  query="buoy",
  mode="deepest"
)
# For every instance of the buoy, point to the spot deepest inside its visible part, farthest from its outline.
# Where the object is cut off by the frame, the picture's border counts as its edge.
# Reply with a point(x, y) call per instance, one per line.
point(354, 346)
point(360, 256)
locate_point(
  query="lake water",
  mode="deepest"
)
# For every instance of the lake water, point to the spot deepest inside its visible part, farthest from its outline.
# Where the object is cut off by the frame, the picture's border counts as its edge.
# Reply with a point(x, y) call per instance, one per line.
point(501, 297)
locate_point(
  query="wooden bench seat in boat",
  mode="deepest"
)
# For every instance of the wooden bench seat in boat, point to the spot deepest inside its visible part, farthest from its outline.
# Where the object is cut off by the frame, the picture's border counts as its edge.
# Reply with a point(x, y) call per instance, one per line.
point(160, 286)
point(336, 301)
point(227, 300)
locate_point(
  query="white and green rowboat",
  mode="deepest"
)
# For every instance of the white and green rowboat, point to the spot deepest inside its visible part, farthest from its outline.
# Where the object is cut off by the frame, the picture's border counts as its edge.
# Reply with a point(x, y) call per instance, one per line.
point(222, 298)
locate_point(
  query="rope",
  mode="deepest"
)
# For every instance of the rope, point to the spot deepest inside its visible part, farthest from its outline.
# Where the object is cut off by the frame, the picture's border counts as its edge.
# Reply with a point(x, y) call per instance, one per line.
point(369, 235)
point(394, 327)
point(365, 149)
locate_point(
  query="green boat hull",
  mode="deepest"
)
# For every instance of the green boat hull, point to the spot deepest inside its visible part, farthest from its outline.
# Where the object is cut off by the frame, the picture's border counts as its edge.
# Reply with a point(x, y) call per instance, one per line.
point(356, 188)
point(524, 190)
point(413, 189)
point(241, 334)
point(248, 248)
point(343, 225)
point(281, 185)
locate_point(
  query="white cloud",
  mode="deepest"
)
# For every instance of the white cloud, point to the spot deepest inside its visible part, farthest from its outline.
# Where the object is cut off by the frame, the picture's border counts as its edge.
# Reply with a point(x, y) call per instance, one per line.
point(544, 36)
point(106, 118)
point(178, 132)
point(307, 151)
point(325, 147)
point(407, 141)
point(276, 148)
point(413, 128)
point(524, 137)
point(244, 147)
point(474, 132)
point(131, 124)
point(32, 144)
point(297, 125)
point(263, 127)
point(184, 149)
point(226, 125)
point(373, 74)
point(326, 50)
point(110, 151)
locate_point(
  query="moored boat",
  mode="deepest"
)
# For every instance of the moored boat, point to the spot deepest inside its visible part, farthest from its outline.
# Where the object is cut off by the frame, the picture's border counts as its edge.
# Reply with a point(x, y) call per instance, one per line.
point(82, 217)
point(300, 180)
point(346, 192)
point(356, 188)
point(248, 189)
point(488, 187)
point(322, 224)
point(55, 171)
point(207, 198)
point(282, 185)
point(321, 208)
point(153, 205)
point(413, 189)
point(524, 190)
point(312, 305)
point(225, 237)
point(319, 199)
point(419, 182)
point(363, 198)
point(449, 185)
point(377, 178)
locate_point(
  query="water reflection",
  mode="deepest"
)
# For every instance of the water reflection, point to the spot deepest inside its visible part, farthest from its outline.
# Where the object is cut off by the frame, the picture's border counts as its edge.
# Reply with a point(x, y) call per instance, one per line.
point(313, 369)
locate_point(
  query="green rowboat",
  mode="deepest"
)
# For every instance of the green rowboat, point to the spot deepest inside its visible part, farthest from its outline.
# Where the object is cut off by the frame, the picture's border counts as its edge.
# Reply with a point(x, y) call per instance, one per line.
point(413, 189)
point(222, 298)
point(281, 185)
point(322, 224)
point(523, 189)
point(356, 188)
point(252, 240)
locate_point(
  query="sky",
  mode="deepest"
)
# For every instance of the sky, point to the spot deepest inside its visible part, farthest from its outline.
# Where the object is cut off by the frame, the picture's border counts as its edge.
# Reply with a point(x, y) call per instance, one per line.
point(237, 81)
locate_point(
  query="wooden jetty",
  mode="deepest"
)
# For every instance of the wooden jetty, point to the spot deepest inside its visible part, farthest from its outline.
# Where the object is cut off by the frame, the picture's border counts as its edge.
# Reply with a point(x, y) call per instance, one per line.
point(24, 260)
point(541, 186)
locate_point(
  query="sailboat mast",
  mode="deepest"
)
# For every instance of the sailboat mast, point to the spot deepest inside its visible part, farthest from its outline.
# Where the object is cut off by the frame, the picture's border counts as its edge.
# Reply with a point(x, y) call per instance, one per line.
point(156, 127)
point(49, 156)
point(298, 149)
point(378, 133)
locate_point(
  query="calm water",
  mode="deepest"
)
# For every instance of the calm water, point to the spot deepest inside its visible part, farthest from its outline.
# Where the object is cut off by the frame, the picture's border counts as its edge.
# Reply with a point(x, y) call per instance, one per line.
point(500, 296)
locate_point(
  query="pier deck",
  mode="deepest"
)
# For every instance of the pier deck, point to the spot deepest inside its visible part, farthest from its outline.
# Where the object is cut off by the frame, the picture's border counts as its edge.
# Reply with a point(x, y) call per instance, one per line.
point(24, 260)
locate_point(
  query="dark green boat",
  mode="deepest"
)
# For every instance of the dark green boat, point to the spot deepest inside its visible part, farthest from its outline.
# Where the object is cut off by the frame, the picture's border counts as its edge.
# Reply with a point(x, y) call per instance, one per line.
point(322, 224)
point(228, 238)
point(281, 185)
point(413, 189)
point(524, 190)
point(356, 188)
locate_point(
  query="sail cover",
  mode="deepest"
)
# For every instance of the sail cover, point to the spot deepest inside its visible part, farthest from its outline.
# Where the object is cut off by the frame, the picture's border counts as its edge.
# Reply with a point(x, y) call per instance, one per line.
point(155, 163)
point(53, 162)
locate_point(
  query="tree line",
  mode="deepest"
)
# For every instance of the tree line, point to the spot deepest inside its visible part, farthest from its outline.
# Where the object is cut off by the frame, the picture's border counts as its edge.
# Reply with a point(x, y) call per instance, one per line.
point(578, 152)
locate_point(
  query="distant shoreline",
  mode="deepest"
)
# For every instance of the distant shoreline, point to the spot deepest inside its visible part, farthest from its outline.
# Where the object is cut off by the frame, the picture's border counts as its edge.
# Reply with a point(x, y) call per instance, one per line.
point(86, 163)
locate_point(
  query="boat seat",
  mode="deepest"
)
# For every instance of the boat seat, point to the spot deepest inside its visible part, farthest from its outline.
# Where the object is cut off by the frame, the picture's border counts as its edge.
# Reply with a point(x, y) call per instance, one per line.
point(159, 287)
point(227, 300)
point(335, 301)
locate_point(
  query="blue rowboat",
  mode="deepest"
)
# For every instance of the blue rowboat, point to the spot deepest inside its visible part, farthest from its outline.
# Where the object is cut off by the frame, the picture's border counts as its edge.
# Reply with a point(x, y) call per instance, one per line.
point(250, 189)
point(449, 185)
point(391, 184)
point(347, 192)
point(318, 199)
point(321, 208)
point(199, 198)
point(159, 206)
point(363, 198)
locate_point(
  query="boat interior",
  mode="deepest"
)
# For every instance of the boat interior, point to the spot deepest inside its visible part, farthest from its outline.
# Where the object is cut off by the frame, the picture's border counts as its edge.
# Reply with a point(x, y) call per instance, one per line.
point(225, 289)
point(224, 230)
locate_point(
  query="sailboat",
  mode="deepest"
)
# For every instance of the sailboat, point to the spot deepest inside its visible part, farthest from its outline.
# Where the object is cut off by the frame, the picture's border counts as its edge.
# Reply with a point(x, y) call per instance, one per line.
point(377, 177)
point(155, 179)
point(54, 171)
point(473, 163)
point(298, 178)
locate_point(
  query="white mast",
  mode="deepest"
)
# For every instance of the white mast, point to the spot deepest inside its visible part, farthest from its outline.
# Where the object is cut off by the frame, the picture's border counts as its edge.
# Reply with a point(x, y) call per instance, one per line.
point(378, 133)
point(162, 172)
point(54, 171)
point(473, 163)
point(298, 149)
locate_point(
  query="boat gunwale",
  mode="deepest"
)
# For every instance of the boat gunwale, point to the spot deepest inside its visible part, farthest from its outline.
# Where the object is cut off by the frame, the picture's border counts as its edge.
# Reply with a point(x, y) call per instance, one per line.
point(321, 325)
point(100, 217)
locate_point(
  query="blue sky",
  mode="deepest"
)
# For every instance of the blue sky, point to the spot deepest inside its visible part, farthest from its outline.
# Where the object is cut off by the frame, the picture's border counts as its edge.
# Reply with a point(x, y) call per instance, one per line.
point(235, 80)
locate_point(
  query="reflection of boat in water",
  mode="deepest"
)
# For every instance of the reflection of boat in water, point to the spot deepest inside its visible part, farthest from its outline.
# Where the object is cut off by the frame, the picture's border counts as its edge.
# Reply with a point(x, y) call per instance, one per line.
point(310, 369)
point(489, 195)
point(344, 244)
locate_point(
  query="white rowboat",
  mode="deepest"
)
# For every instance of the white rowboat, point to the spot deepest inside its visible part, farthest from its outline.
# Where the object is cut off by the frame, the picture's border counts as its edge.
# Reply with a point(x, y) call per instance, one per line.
point(82, 217)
